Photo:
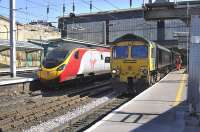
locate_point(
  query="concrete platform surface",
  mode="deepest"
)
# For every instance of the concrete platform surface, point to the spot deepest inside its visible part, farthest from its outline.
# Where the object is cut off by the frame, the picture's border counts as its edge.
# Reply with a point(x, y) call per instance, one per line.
point(6, 70)
point(25, 74)
point(160, 108)
point(6, 80)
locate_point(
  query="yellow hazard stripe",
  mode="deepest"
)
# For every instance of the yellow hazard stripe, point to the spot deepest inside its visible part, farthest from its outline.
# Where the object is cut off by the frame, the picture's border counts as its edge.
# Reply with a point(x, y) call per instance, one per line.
point(179, 93)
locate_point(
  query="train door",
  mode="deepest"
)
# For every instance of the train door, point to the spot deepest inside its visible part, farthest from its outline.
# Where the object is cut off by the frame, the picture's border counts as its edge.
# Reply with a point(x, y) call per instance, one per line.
point(73, 65)
point(153, 59)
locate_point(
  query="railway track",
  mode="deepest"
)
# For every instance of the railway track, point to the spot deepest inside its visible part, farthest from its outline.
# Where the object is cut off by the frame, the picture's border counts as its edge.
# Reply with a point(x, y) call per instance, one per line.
point(86, 120)
point(35, 112)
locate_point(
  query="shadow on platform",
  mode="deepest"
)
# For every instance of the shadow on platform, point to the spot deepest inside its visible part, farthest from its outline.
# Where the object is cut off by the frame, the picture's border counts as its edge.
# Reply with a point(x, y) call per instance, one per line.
point(171, 120)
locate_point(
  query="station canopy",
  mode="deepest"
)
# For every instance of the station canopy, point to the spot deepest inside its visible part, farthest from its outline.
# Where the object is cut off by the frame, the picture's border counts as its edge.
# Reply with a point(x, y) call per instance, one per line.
point(20, 46)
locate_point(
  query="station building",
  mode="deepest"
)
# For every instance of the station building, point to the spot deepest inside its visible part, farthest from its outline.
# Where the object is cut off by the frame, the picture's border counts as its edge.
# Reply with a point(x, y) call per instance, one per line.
point(24, 32)
point(105, 27)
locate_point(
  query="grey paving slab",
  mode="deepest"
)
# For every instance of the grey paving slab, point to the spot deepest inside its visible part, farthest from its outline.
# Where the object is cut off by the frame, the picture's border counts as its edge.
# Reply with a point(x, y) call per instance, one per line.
point(158, 109)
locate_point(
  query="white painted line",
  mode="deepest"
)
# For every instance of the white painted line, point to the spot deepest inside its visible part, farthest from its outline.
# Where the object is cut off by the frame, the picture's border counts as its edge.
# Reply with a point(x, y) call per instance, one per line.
point(17, 80)
point(5, 70)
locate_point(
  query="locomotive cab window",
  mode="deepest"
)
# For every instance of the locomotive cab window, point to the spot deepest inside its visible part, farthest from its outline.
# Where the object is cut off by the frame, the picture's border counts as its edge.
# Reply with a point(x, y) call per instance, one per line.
point(120, 52)
point(139, 51)
point(153, 52)
point(55, 57)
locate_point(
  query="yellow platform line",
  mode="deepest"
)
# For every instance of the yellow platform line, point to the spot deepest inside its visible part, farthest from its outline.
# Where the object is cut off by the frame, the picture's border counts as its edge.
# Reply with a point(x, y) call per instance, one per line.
point(179, 93)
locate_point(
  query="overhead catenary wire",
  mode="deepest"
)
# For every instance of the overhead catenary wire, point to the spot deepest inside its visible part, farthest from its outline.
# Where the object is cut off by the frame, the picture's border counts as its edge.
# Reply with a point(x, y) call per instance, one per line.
point(8, 14)
point(73, 6)
point(88, 3)
point(130, 3)
point(110, 3)
point(98, 9)
point(24, 12)
point(52, 4)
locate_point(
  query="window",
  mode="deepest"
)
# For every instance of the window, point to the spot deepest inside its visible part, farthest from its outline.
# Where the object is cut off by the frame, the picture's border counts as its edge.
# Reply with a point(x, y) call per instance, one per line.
point(76, 55)
point(55, 57)
point(139, 51)
point(107, 59)
point(153, 53)
point(120, 52)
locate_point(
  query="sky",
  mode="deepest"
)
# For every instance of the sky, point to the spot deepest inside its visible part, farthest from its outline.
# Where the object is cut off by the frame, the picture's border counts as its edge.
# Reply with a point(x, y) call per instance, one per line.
point(30, 10)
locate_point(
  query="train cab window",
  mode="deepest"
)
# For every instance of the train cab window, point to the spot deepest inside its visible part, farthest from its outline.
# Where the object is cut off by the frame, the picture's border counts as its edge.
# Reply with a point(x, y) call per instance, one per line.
point(55, 57)
point(153, 53)
point(120, 52)
point(76, 55)
point(139, 51)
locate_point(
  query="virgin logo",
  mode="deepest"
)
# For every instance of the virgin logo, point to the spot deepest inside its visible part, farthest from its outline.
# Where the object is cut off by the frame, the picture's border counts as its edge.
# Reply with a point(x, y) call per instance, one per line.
point(92, 62)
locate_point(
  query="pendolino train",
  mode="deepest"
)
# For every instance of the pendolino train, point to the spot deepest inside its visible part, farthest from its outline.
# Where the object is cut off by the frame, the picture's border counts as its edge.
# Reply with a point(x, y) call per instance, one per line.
point(71, 60)
point(135, 59)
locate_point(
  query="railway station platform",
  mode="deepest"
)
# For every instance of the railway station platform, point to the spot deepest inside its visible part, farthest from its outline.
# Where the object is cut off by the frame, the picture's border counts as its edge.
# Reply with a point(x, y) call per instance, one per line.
point(7, 80)
point(23, 69)
point(162, 107)
point(26, 74)
point(24, 80)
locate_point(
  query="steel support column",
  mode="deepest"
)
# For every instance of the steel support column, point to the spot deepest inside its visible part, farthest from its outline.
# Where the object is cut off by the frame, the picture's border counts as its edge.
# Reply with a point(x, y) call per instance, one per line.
point(161, 30)
point(194, 71)
point(106, 32)
point(12, 39)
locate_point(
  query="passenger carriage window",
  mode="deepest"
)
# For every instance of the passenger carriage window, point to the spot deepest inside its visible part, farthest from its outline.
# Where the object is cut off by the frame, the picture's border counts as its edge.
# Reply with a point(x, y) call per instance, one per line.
point(120, 52)
point(107, 59)
point(139, 51)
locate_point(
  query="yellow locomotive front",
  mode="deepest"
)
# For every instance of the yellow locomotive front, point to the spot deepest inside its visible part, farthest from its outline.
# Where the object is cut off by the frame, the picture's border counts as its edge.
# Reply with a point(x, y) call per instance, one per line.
point(131, 62)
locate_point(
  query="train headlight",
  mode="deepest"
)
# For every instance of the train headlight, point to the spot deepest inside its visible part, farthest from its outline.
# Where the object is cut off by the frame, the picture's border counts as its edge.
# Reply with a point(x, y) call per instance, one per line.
point(60, 68)
point(118, 71)
point(114, 71)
